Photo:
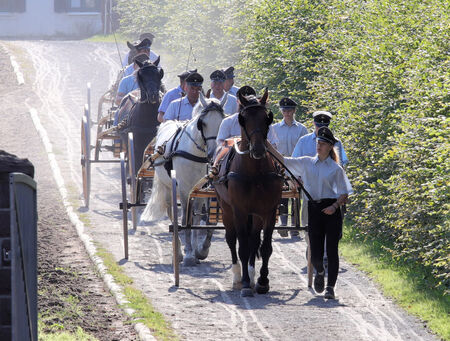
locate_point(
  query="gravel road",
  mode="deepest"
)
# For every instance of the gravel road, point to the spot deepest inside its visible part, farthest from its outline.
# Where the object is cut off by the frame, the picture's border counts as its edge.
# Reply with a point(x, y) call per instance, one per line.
point(204, 306)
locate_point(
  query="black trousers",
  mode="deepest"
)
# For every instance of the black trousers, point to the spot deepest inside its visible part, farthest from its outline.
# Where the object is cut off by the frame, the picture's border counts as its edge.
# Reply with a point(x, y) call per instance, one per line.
point(284, 210)
point(320, 226)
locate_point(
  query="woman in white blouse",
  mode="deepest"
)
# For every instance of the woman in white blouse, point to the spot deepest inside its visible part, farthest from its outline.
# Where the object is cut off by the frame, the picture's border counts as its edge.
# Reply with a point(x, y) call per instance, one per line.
point(329, 188)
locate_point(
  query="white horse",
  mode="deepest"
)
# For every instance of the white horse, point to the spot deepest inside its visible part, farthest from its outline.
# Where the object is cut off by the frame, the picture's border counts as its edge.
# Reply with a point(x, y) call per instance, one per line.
point(191, 145)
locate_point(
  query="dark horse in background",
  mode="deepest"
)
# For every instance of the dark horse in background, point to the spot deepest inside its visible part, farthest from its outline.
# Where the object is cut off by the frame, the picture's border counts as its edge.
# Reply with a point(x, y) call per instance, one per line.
point(138, 110)
point(249, 194)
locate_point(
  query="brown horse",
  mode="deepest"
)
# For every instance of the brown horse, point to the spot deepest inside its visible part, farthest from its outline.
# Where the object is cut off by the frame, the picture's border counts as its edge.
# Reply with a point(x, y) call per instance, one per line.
point(249, 195)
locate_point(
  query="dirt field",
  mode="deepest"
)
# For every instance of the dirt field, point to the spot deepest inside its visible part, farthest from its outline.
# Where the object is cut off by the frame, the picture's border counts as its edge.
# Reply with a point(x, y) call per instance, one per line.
point(71, 294)
point(204, 306)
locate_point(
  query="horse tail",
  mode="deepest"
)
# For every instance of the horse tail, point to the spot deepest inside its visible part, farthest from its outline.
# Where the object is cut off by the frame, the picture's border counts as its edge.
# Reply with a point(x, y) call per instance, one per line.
point(157, 205)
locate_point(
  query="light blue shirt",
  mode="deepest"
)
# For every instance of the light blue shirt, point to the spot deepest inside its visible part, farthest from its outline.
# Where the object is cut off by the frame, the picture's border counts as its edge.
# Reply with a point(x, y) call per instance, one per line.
point(306, 146)
point(322, 179)
point(179, 109)
point(230, 127)
point(288, 135)
point(233, 90)
point(231, 106)
point(170, 96)
point(128, 84)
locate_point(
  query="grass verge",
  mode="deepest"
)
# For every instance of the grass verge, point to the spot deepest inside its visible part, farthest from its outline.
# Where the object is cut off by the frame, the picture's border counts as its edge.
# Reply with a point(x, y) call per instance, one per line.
point(100, 38)
point(144, 310)
point(410, 285)
point(78, 335)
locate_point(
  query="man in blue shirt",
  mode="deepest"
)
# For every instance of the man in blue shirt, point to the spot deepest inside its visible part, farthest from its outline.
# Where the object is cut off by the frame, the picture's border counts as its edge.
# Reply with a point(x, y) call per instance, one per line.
point(141, 47)
point(217, 86)
point(181, 109)
point(173, 94)
point(129, 83)
point(129, 56)
point(288, 131)
point(229, 81)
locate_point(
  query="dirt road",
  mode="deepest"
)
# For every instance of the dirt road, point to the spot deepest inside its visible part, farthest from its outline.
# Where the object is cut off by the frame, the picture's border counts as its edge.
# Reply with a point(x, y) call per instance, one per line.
point(204, 306)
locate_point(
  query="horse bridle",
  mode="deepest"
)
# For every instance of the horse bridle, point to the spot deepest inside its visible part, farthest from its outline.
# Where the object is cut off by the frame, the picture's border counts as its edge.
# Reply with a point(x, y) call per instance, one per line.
point(258, 130)
point(143, 88)
point(210, 107)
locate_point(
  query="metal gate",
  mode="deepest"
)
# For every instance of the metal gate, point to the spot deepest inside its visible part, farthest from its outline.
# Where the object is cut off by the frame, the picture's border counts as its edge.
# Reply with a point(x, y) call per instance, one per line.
point(18, 259)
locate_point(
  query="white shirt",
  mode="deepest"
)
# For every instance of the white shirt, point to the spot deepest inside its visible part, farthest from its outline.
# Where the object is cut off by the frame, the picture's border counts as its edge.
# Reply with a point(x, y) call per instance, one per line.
point(230, 127)
point(306, 146)
point(322, 179)
point(231, 105)
point(288, 135)
point(179, 109)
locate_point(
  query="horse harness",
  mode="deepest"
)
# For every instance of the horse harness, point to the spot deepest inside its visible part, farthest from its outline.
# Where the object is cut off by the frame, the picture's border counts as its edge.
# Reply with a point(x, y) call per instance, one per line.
point(168, 162)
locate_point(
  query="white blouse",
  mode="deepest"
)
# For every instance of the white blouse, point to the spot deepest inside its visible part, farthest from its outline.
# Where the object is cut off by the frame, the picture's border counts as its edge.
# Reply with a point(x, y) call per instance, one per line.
point(322, 179)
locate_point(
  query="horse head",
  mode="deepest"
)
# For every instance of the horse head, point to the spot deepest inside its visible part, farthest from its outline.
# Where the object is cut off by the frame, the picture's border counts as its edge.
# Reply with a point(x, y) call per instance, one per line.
point(255, 120)
point(149, 78)
point(208, 122)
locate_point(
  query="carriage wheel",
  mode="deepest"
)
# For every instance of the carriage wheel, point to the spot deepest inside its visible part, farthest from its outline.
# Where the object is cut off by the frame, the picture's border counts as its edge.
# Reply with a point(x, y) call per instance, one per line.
point(123, 175)
point(175, 240)
point(132, 174)
point(86, 159)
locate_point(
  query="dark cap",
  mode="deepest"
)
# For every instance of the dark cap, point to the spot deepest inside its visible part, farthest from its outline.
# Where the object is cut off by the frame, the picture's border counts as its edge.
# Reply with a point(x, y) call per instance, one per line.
point(141, 58)
point(194, 79)
point(140, 44)
point(246, 91)
point(325, 134)
point(229, 72)
point(185, 74)
point(218, 76)
point(322, 118)
point(287, 103)
point(148, 36)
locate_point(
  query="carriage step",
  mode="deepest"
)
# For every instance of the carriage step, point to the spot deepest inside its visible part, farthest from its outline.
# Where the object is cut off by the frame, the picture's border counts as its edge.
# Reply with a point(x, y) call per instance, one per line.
point(130, 205)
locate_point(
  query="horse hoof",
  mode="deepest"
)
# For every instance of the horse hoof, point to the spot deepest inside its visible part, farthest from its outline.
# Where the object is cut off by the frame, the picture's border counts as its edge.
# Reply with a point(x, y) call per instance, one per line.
point(247, 292)
point(202, 254)
point(189, 261)
point(237, 286)
point(262, 289)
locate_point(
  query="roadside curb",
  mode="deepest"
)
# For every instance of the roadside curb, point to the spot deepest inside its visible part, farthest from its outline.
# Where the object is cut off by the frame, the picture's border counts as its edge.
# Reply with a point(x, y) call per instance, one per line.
point(143, 331)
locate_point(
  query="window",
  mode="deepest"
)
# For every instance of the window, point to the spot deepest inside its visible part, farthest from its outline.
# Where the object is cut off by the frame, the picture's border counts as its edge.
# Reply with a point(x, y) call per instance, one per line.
point(77, 5)
point(11, 6)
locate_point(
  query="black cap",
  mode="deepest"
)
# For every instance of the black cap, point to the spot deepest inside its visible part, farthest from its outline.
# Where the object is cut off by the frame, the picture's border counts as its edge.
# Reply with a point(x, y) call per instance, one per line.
point(194, 79)
point(287, 103)
point(325, 134)
point(322, 117)
point(229, 72)
point(141, 58)
point(148, 35)
point(140, 44)
point(218, 76)
point(185, 74)
point(246, 91)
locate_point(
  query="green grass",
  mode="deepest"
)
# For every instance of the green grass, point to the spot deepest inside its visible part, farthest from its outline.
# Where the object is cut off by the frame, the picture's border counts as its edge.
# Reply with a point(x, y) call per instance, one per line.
point(108, 38)
point(410, 285)
point(78, 335)
point(144, 310)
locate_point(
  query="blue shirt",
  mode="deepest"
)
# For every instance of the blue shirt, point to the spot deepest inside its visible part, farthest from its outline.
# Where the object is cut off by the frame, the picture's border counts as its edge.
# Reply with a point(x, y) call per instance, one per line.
point(233, 90)
point(306, 146)
point(288, 135)
point(170, 96)
point(230, 127)
point(179, 109)
point(128, 84)
point(231, 106)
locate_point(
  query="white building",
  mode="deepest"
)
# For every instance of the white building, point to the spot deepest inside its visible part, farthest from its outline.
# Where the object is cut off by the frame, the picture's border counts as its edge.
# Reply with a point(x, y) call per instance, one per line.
point(50, 18)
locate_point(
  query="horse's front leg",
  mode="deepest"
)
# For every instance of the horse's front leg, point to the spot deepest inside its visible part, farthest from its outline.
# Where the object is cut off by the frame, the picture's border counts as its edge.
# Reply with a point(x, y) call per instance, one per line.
point(262, 286)
point(241, 222)
point(255, 242)
point(231, 238)
point(189, 254)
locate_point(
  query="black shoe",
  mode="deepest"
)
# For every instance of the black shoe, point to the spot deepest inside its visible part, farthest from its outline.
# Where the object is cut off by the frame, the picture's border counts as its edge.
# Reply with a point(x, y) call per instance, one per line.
point(329, 293)
point(319, 282)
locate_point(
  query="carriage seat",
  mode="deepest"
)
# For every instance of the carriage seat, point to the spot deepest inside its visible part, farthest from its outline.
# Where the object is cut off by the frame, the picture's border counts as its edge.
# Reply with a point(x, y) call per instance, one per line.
point(224, 155)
